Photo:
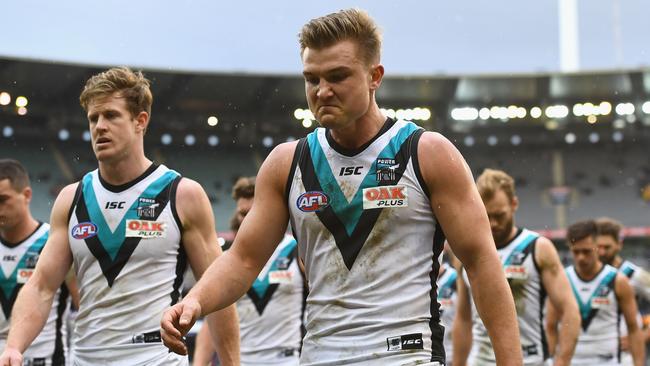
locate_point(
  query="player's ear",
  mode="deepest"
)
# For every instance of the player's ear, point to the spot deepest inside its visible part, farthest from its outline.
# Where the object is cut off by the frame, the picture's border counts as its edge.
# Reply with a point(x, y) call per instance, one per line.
point(376, 76)
point(142, 122)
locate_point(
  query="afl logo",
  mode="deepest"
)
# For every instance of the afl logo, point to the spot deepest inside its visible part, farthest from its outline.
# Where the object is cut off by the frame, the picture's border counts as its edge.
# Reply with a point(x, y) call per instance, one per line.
point(312, 201)
point(84, 230)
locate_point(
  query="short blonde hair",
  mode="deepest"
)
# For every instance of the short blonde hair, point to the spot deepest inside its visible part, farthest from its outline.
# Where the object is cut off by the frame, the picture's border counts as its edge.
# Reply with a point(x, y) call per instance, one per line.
point(493, 180)
point(132, 86)
point(350, 24)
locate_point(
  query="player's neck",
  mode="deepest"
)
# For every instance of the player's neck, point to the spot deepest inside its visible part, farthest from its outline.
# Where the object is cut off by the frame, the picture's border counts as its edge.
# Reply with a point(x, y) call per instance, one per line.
point(513, 233)
point(617, 261)
point(21, 231)
point(590, 273)
point(359, 132)
point(125, 170)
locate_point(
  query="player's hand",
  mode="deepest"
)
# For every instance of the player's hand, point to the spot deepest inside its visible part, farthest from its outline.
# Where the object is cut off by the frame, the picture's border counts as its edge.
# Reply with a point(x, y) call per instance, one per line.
point(176, 322)
point(625, 344)
point(11, 357)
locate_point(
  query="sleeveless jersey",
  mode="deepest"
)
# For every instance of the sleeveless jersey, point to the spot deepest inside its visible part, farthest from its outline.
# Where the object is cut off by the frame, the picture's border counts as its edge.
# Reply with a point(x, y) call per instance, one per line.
point(18, 263)
point(640, 281)
point(129, 261)
point(598, 342)
point(370, 243)
point(447, 299)
point(270, 314)
point(518, 259)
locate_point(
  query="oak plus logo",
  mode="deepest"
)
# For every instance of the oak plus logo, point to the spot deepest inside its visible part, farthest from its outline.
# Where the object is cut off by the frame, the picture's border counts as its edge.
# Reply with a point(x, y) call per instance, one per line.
point(385, 196)
point(145, 229)
point(312, 201)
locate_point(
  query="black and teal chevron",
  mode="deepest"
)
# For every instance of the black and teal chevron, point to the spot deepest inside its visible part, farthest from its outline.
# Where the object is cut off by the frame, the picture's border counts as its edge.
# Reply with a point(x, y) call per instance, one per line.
point(586, 311)
point(262, 290)
point(111, 248)
point(10, 285)
point(348, 222)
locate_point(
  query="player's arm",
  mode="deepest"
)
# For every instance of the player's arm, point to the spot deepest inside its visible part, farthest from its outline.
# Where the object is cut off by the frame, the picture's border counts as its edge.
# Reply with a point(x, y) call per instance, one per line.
point(641, 285)
point(34, 302)
point(200, 241)
point(561, 296)
point(73, 288)
point(627, 304)
point(203, 348)
point(231, 275)
point(461, 334)
point(458, 208)
point(551, 327)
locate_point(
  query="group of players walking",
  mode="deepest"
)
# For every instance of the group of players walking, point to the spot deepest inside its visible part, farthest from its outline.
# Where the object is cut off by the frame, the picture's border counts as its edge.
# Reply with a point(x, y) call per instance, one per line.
point(370, 202)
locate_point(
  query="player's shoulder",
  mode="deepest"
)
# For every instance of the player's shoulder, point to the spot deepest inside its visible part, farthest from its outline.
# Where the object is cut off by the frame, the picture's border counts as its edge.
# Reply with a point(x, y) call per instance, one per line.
point(435, 141)
point(190, 194)
point(279, 161)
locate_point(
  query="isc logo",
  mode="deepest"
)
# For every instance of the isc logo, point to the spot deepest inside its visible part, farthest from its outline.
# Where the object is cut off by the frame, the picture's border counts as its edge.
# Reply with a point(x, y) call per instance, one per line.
point(114, 205)
point(350, 170)
point(312, 201)
point(84, 230)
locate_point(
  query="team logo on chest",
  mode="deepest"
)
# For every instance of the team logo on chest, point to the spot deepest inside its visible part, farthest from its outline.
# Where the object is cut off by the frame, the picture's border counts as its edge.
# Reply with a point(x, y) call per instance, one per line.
point(312, 201)
point(385, 171)
point(147, 208)
point(385, 196)
point(601, 298)
point(145, 229)
point(84, 230)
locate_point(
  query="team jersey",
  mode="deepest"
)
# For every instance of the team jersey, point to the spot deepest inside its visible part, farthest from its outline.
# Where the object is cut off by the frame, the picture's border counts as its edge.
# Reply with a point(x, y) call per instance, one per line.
point(640, 281)
point(598, 342)
point(447, 299)
point(18, 263)
point(523, 275)
point(370, 243)
point(270, 314)
point(129, 261)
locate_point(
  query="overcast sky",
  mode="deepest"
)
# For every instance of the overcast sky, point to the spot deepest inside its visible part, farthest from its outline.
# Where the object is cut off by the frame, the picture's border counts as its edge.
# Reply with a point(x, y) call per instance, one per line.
point(420, 37)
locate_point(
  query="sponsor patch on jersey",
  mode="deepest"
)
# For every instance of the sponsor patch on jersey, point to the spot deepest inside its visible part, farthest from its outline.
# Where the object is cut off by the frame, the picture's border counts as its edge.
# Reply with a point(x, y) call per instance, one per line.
point(530, 350)
point(280, 277)
point(23, 275)
point(516, 272)
point(446, 303)
point(147, 208)
point(385, 196)
point(312, 201)
point(385, 170)
point(145, 229)
point(404, 342)
point(600, 302)
point(84, 230)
